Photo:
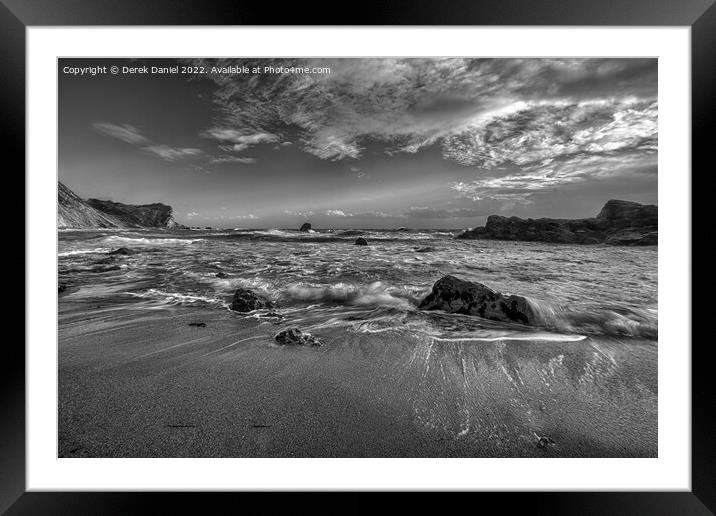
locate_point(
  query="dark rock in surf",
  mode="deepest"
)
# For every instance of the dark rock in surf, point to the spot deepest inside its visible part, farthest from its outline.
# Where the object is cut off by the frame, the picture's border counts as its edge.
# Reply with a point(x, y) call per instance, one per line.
point(305, 228)
point(61, 288)
point(427, 249)
point(247, 301)
point(618, 223)
point(222, 275)
point(271, 315)
point(542, 441)
point(198, 324)
point(361, 241)
point(295, 337)
point(123, 251)
point(457, 296)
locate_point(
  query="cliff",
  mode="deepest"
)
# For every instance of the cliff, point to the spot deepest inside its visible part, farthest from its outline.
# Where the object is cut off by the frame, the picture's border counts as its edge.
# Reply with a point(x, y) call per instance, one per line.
point(76, 213)
point(73, 212)
point(155, 215)
point(618, 223)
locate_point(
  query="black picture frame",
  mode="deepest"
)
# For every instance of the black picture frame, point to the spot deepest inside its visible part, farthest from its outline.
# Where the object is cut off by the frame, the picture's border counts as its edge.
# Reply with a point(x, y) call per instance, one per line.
point(700, 15)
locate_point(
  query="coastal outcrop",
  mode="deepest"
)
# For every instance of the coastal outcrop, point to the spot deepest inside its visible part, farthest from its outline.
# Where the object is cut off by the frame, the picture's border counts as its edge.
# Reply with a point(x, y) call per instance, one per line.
point(457, 296)
point(295, 337)
point(305, 228)
point(156, 215)
point(245, 300)
point(618, 223)
point(73, 212)
point(361, 241)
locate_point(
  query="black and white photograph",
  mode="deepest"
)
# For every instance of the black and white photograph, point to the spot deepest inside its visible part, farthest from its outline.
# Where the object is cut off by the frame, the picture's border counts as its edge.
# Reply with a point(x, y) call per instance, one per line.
point(357, 257)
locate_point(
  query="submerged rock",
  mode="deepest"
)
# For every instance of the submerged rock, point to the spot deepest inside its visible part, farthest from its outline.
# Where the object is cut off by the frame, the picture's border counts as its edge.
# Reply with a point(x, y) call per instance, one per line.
point(222, 275)
point(295, 337)
point(198, 324)
point(361, 241)
point(61, 288)
point(247, 301)
point(427, 249)
point(306, 227)
point(124, 251)
point(458, 296)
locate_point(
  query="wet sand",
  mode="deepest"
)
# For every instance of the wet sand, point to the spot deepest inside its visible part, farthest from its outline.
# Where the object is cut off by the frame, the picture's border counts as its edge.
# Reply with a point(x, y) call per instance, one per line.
point(143, 383)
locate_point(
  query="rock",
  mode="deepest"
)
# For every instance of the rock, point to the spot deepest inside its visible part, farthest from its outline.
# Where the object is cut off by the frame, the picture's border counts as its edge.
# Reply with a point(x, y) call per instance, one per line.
point(197, 324)
point(61, 288)
point(427, 249)
point(222, 275)
point(295, 337)
point(403, 228)
point(543, 441)
point(454, 295)
point(361, 241)
point(156, 215)
point(247, 301)
point(271, 315)
point(208, 227)
point(306, 227)
point(74, 212)
point(618, 223)
point(631, 236)
point(123, 251)
point(642, 214)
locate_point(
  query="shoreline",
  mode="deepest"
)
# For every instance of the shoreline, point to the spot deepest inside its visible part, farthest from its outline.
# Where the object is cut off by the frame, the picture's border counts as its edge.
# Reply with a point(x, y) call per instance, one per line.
point(161, 388)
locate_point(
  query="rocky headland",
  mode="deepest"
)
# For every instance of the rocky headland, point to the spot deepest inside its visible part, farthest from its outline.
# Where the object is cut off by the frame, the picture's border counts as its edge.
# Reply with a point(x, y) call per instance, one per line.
point(73, 212)
point(618, 223)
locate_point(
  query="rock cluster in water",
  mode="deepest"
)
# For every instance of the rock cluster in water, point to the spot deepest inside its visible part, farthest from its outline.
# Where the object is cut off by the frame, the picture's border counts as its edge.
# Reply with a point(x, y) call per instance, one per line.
point(305, 228)
point(457, 296)
point(361, 241)
point(245, 300)
point(618, 223)
point(295, 337)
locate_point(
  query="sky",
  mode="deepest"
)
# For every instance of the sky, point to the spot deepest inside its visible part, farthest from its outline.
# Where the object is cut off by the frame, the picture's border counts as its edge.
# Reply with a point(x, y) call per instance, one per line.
point(360, 143)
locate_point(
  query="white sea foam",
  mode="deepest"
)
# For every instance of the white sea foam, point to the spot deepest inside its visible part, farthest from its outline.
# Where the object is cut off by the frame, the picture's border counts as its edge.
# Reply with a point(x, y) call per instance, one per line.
point(119, 240)
point(178, 297)
point(96, 250)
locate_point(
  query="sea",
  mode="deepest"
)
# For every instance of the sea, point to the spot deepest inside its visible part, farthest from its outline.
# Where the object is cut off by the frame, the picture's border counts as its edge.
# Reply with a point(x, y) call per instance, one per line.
point(589, 364)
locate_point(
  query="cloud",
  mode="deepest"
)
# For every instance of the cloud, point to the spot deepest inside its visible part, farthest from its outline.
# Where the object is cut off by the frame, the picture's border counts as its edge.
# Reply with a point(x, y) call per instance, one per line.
point(240, 141)
point(408, 104)
point(131, 135)
point(233, 159)
point(124, 132)
point(426, 212)
point(171, 153)
point(338, 213)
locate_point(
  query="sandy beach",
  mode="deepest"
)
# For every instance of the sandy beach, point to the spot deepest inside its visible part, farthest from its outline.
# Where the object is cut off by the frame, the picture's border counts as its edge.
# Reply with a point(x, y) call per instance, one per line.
point(143, 383)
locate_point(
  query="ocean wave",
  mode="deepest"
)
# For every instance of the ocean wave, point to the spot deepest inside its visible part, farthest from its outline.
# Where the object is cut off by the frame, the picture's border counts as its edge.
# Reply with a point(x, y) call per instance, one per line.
point(124, 240)
point(96, 250)
point(623, 321)
point(179, 298)
point(373, 294)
